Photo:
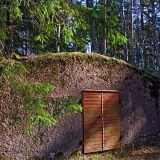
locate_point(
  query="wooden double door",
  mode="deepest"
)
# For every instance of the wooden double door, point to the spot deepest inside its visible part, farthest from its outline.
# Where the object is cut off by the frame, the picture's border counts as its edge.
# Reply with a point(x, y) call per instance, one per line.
point(101, 113)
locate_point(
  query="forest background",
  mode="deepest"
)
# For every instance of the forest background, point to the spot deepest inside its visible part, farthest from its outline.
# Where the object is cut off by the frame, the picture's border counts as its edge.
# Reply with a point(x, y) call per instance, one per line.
point(125, 29)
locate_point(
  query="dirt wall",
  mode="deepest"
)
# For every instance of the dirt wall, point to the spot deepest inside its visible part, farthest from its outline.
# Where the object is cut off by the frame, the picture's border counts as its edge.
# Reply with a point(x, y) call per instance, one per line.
point(70, 74)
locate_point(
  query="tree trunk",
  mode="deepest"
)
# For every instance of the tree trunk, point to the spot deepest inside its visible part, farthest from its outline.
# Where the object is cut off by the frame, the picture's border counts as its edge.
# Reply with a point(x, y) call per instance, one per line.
point(7, 50)
point(131, 55)
point(58, 36)
point(104, 45)
point(123, 30)
point(94, 41)
point(155, 33)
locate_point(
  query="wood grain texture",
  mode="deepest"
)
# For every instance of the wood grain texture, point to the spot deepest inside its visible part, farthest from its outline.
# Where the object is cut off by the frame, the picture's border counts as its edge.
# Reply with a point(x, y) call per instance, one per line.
point(101, 115)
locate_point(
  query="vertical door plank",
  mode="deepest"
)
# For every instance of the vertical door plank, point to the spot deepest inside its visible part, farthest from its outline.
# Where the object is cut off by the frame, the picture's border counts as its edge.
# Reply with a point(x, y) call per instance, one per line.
point(111, 120)
point(92, 122)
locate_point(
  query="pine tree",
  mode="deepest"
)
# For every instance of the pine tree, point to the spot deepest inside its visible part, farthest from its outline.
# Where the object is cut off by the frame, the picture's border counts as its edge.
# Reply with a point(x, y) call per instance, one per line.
point(31, 25)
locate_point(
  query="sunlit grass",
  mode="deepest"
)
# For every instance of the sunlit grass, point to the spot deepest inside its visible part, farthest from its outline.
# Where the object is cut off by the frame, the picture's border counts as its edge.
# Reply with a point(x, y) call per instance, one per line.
point(108, 155)
point(95, 157)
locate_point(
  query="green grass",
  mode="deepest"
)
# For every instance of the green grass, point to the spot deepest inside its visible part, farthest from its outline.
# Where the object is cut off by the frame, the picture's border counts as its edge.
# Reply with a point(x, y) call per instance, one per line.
point(126, 153)
point(95, 157)
point(108, 155)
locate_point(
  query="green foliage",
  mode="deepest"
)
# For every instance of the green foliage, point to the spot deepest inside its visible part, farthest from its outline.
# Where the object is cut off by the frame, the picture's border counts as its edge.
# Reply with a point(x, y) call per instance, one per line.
point(1, 55)
point(115, 38)
point(35, 22)
point(31, 99)
point(3, 34)
point(106, 20)
point(15, 55)
point(63, 106)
